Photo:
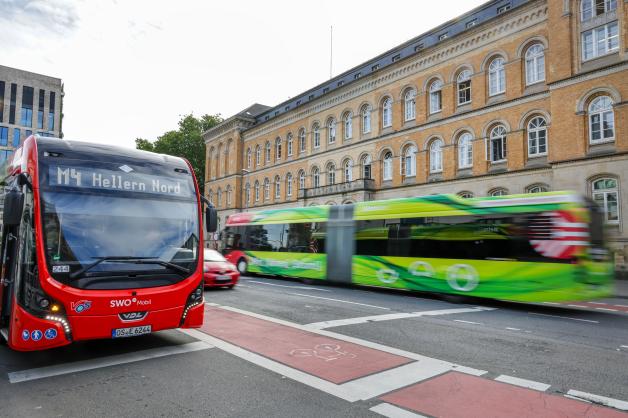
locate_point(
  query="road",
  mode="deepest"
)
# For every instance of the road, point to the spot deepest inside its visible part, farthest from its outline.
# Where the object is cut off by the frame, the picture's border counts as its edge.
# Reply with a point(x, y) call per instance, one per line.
point(282, 348)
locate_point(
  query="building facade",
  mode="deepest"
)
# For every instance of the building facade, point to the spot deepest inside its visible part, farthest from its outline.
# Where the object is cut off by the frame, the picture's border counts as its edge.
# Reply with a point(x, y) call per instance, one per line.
point(29, 103)
point(512, 97)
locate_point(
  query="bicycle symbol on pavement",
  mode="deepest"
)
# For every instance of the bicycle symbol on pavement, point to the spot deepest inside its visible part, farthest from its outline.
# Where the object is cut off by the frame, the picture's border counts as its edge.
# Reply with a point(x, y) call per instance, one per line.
point(327, 352)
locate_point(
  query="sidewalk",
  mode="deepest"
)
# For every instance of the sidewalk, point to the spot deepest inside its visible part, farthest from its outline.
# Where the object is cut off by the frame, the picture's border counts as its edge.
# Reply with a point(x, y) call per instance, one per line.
point(621, 288)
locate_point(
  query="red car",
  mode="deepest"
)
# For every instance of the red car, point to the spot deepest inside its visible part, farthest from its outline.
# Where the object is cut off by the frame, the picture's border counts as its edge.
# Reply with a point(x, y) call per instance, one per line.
point(217, 271)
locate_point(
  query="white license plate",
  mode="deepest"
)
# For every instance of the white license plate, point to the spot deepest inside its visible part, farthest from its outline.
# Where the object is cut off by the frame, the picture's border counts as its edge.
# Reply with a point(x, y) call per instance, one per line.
point(131, 331)
point(223, 278)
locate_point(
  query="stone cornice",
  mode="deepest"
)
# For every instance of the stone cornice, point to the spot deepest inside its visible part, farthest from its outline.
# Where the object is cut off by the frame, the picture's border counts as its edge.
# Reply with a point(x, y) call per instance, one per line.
point(233, 123)
point(527, 17)
point(623, 66)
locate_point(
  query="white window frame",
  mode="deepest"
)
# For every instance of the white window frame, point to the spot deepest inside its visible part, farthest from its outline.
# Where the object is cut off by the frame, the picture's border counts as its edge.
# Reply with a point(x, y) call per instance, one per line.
point(436, 156)
point(607, 41)
point(497, 76)
point(604, 193)
point(537, 188)
point(408, 161)
point(277, 187)
point(367, 162)
point(301, 180)
point(219, 198)
point(289, 145)
point(331, 131)
point(302, 141)
point(228, 197)
point(316, 177)
point(500, 191)
point(387, 113)
point(609, 5)
point(464, 77)
point(387, 169)
point(465, 195)
point(266, 189)
point(503, 138)
point(257, 191)
point(249, 158)
point(277, 149)
point(366, 119)
point(410, 105)
point(247, 193)
point(348, 125)
point(605, 115)
point(316, 133)
point(535, 64)
point(465, 150)
point(258, 155)
point(536, 125)
point(348, 171)
point(267, 152)
point(436, 96)
point(331, 174)
point(289, 185)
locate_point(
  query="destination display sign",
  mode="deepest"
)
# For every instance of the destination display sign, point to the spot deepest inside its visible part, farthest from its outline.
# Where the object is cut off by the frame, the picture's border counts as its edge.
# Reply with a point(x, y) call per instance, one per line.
point(124, 178)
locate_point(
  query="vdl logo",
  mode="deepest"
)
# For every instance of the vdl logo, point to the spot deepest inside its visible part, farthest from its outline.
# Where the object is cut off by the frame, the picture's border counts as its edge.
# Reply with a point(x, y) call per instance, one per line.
point(81, 306)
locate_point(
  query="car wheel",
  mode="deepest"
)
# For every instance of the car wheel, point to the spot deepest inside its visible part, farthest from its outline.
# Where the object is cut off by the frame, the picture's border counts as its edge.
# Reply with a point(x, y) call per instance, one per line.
point(242, 266)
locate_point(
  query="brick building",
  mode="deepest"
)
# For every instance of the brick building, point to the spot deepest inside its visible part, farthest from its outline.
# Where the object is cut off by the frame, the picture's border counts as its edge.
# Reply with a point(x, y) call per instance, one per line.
point(512, 97)
point(29, 103)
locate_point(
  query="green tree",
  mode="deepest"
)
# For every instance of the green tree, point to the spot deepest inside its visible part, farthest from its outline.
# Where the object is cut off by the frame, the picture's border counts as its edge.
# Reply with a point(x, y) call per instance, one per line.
point(185, 142)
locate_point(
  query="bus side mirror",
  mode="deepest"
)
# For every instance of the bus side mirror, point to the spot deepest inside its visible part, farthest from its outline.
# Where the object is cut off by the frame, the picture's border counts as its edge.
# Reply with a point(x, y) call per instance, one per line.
point(13, 206)
point(211, 219)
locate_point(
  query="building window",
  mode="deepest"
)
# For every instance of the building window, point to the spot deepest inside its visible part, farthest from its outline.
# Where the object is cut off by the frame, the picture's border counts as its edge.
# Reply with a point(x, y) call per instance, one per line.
point(16, 137)
point(387, 113)
point(418, 47)
point(289, 142)
point(503, 9)
point(266, 189)
point(51, 112)
point(277, 187)
point(537, 137)
point(601, 120)
point(436, 96)
point(27, 106)
point(248, 158)
point(2, 87)
point(496, 77)
point(465, 150)
point(471, 23)
point(256, 191)
point(40, 109)
point(316, 136)
point(357, 75)
point(331, 174)
point(408, 161)
point(498, 192)
point(592, 8)
point(600, 41)
point(409, 104)
point(289, 184)
point(537, 188)
point(219, 198)
point(267, 152)
point(465, 195)
point(606, 194)
point(316, 177)
point(497, 144)
point(277, 149)
point(366, 167)
point(387, 166)
point(247, 193)
point(464, 87)
point(348, 171)
point(366, 119)
point(301, 140)
point(348, 123)
point(436, 156)
point(331, 131)
point(375, 67)
point(228, 196)
point(4, 136)
point(301, 180)
point(442, 37)
point(13, 103)
point(535, 64)
point(210, 197)
point(258, 155)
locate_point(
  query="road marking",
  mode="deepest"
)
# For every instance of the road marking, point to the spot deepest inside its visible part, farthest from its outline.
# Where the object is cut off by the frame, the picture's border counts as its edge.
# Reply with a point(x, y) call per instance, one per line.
point(577, 306)
point(551, 303)
point(607, 309)
point(392, 411)
point(288, 286)
point(389, 317)
point(467, 322)
point(622, 306)
point(339, 300)
point(565, 317)
point(513, 329)
point(624, 346)
point(597, 303)
point(85, 365)
point(524, 383)
point(602, 400)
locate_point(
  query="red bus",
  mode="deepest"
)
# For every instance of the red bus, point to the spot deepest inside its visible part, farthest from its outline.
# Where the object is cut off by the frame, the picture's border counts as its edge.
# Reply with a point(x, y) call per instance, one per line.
point(98, 242)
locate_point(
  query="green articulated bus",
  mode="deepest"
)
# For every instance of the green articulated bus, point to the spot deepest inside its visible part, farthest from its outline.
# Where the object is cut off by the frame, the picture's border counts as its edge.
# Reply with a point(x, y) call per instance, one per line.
point(543, 247)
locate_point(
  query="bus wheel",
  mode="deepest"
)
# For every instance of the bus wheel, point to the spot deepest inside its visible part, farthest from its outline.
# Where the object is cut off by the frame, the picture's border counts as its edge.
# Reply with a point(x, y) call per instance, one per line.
point(242, 266)
point(452, 298)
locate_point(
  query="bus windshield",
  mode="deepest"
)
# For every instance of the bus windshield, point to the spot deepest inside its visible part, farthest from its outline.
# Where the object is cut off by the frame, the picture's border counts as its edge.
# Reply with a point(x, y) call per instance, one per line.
point(101, 236)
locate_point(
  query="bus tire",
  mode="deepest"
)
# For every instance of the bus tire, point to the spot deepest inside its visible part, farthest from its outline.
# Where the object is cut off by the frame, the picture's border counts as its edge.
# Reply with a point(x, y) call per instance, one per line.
point(242, 266)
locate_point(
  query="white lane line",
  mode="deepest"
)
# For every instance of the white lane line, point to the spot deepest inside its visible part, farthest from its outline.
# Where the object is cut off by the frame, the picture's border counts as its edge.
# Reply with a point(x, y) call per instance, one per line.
point(551, 303)
point(513, 329)
point(392, 411)
point(577, 306)
point(624, 346)
point(607, 309)
point(603, 400)
point(524, 383)
point(468, 322)
point(597, 303)
point(339, 300)
point(621, 306)
point(565, 317)
point(85, 365)
point(288, 286)
point(389, 317)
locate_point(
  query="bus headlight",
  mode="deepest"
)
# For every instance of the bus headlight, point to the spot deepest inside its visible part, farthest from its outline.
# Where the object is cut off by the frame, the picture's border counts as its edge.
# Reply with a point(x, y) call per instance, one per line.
point(195, 299)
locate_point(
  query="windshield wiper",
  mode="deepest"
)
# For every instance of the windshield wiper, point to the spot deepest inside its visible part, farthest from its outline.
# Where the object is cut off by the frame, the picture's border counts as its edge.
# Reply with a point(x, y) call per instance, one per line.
point(149, 260)
point(99, 260)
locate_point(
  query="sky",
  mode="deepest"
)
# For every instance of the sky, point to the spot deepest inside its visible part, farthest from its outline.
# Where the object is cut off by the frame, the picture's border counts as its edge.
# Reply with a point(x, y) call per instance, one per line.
point(132, 68)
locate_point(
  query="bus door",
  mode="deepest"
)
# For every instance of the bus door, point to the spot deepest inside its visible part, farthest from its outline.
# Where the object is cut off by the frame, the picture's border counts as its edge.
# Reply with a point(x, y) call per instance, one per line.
point(340, 243)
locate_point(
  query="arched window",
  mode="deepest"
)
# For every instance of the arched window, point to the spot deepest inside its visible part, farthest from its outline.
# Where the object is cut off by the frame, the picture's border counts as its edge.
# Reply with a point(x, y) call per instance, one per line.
point(387, 113)
point(301, 180)
point(277, 187)
point(316, 177)
point(289, 184)
point(219, 198)
point(537, 188)
point(408, 161)
point(331, 131)
point(387, 166)
point(331, 174)
point(436, 96)
point(256, 191)
point(537, 137)
point(465, 150)
point(500, 191)
point(289, 142)
point(228, 196)
point(409, 104)
point(463, 83)
point(247, 194)
point(601, 120)
point(210, 163)
point(497, 144)
point(606, 194)
point(278, 149)
point(267, 152)
point(219, 161)
point(496, 77)
point(366, 167)
point(348, 123)
point(366, 119)
point(210, 197)
point(266, 189)
point(535, 64)
point(465, 195)
point(258, 155)
point(301, 140)
point(436, 156)
point(248, 158)
point(316, 136)
point(347, 169)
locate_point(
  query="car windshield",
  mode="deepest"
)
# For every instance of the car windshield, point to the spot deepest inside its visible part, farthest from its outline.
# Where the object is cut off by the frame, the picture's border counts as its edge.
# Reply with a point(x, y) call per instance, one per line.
point(213, 255)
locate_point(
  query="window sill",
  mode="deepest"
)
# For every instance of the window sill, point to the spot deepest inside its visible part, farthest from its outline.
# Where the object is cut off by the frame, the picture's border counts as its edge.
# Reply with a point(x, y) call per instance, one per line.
point(465, 172)
point(498, 97)
point(601, 142)
point(532, 156)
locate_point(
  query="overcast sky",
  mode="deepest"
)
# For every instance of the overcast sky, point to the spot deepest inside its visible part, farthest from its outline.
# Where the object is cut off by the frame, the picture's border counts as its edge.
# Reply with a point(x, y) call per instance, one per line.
point(132, 67)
